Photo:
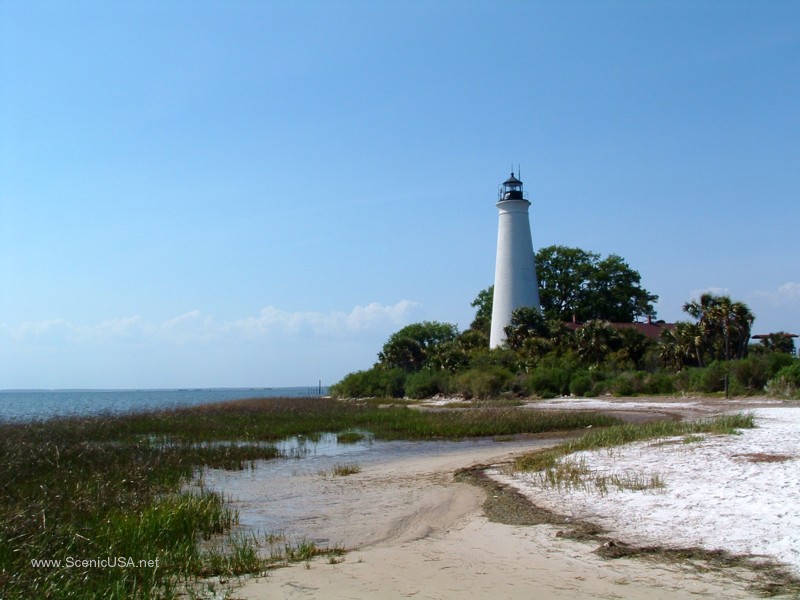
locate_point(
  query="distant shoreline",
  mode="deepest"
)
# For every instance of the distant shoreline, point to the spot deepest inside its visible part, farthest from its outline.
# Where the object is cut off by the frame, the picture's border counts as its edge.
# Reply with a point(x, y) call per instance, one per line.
point(27, 404)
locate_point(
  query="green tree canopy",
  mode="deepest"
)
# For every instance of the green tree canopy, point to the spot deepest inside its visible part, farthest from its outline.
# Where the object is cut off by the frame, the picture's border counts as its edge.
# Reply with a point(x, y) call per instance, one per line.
point(415, 345)
point(724, 326)
point(526, 322)
point(595, 340)
point(778, 342)
point(574, 282)
point(681, 346)
point(483, 316)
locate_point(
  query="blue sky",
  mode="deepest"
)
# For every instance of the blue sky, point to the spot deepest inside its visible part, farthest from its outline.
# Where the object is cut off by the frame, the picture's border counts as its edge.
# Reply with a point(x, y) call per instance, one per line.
point(260, 193)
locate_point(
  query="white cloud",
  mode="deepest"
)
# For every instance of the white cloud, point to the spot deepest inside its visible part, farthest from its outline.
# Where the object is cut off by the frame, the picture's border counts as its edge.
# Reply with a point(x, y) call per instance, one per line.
point(130, 328)
point(786, 295)
point(374, 316)
point(195, 326)
point(272, 347)
point(364, 317)
point(185, 319)
point(41, 329)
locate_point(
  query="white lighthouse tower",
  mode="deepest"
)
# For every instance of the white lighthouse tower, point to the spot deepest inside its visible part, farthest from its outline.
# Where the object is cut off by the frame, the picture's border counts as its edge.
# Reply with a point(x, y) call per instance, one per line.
point(515, 282)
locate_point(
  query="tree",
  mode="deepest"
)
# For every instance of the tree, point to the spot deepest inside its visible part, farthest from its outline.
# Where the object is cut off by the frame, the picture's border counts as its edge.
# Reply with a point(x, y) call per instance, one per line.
point(526, 322)
point(577, 283)
point(681, 346)
point(563, 275)
point(631, 348)
point(724, 326)
point(483, 316)
point(595, 341)
point(447, 356)
point(473, 339)
point(778, 342)
point(615, 293)
point(411, 347)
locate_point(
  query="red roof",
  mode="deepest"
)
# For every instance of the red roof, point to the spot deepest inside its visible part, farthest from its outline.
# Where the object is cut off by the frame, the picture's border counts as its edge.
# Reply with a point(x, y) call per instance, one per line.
point(763, 336)
point(650, 330)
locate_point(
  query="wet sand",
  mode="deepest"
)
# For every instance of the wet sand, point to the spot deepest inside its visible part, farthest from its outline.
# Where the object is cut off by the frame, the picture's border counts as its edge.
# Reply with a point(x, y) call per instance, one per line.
point(412, 530)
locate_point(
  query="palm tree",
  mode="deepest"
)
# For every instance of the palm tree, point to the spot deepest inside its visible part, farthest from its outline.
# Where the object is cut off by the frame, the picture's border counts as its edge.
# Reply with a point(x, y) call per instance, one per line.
point(681, 346)
point(724, 326)
point(743, 319)
point(594, 341)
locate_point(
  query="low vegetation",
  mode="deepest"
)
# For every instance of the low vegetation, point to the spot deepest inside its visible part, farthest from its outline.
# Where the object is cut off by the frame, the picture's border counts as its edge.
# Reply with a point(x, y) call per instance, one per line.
point(68, 496)
point(568, 474)
point(87, 490)
point(619, 435)
point(343, 470)
point(583, 343)
point(555, 467)
point(786, 383)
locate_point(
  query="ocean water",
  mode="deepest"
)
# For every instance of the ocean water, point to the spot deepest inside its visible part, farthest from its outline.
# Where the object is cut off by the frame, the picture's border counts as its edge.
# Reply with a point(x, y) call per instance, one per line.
point(25, 405)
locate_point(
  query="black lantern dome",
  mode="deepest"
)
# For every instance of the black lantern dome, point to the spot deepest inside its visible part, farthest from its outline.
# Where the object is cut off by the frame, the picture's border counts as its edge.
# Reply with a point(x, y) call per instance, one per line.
point(511, 189)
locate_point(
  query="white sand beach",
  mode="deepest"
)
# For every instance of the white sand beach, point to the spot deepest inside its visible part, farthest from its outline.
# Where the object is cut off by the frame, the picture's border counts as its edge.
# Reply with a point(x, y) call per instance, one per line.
point(738, 493)
point(415, 532)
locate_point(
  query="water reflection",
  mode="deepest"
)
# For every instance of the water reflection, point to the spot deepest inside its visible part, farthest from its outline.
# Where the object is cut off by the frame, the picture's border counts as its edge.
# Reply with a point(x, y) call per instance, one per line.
point(323, 444)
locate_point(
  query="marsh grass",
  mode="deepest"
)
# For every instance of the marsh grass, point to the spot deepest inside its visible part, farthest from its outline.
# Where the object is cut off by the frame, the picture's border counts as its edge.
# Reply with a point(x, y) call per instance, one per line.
point(114, 486)
point(637, 482)
point(499, 402)
point(350, 437)
point(87, 491)
point(282, 551)
point(554, 468)
point(692, 439)
point(272, 419)
point(342, 470)
point(619, 435)
point(568, 474)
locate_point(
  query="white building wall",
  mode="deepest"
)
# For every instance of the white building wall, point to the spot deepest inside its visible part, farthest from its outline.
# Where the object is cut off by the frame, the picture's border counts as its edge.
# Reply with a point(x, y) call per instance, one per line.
point(515, 282)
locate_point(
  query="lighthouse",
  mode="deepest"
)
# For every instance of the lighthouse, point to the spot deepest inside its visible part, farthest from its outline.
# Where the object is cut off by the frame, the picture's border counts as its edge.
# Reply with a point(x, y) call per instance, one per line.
point(515, 282)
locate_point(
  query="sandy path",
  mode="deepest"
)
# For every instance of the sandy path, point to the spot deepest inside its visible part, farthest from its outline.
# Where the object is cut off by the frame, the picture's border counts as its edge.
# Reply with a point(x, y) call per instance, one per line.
point(418, 533)
point(476, 559)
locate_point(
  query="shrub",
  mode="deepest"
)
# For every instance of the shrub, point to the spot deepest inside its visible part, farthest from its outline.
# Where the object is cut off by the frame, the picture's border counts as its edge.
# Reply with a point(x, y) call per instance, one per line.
point(581, 384)
point(658, 383)
point(629, 383)
point(751, 372)
point(702, 379)
point(484, 382)
point(425, 383)
point(549, 381)
point(786, 383)
point(375, 382)
point(494, 357)
point(779, 360)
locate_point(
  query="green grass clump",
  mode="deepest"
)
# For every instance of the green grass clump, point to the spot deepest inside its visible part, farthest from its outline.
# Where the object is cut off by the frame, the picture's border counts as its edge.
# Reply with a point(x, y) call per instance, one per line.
point(349, 437)
point(345, 469)
point(571, 475)
point(618, 435)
